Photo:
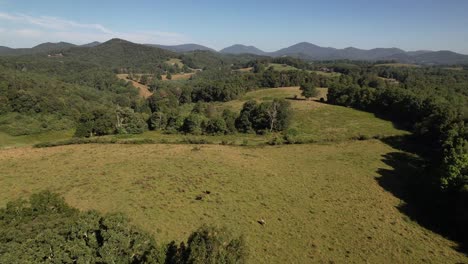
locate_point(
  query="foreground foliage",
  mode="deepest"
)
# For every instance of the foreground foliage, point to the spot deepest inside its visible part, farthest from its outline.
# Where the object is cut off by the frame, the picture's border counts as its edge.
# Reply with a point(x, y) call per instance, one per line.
point(46, 229)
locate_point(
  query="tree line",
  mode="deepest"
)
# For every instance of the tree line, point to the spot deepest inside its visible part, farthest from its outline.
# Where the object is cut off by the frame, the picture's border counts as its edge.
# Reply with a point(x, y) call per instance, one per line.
point(432, 104)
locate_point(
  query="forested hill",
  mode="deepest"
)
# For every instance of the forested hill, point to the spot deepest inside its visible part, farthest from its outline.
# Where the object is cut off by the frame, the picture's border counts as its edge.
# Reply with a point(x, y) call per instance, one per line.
point(118, 53)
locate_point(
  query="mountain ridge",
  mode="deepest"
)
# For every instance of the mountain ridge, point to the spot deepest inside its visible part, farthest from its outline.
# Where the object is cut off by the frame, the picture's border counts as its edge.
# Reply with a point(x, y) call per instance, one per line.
point(302, 50)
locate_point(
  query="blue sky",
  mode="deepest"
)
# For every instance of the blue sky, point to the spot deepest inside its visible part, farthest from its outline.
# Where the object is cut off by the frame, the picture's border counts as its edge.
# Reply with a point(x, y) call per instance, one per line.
point(269, 25)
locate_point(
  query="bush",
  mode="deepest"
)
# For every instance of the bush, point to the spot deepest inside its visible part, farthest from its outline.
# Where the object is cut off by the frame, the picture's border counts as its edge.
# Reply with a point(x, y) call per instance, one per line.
point(193, 124)
point(216, 126)
point(309, 90)
point(276, 140)
point(209, 245)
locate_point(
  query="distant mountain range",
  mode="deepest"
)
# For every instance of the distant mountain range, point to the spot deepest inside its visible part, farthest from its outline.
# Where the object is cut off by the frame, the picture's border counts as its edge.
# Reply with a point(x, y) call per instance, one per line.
point(182, 48)
point(308, 51)
point(44, 48)
point(303, 50)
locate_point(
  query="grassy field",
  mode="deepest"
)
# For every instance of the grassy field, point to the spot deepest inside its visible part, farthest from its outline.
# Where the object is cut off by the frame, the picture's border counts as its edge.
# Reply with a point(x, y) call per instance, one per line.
point(175, 61)
point(179, 76)
point(8, 141)
point(321, 202)
point(313, 122)
point(322, 122)
point(284, 67)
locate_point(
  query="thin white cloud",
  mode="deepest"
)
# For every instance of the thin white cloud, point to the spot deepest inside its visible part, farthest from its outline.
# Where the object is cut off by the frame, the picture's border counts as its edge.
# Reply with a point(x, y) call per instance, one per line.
point(29, 29)
point(28, 33)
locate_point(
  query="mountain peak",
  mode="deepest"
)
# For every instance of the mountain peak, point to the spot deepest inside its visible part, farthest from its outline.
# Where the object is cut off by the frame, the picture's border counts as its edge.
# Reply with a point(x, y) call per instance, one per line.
point(242, 49)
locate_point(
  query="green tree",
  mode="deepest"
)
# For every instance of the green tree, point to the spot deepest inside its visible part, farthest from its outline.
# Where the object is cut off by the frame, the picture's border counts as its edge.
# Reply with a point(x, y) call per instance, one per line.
point(157, 121)
point(98, 122)
point(129, 122)
point(230, 120)
point(169, 76)
point(193, 124)
point(309, 90)
point(244, 122)
point(209, 245)
point(216, 126)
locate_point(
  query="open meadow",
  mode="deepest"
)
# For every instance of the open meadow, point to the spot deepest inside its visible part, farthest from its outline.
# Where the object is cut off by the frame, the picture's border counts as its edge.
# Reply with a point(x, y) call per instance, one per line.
point(320, 202)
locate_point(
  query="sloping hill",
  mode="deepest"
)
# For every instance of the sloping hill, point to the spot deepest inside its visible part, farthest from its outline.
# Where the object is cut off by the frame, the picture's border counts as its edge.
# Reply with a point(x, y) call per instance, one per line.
point(92, 44)
point(306, 50)
point(6, 50)
point(47, 47)
point(118, 53)
point(441, 57)
point(182, 48)
point(242, 49)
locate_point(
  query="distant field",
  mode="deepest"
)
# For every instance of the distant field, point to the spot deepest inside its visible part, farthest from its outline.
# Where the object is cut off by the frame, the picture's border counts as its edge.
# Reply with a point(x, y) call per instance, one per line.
point(328, 74)
point(322, 122)
point(175, 61)
point(396, 65)
point(142, 89)
point(283, 67)
point(391, 80)
point(322, 203)
point(454, 68)
point(8, 141)
point(179, 76)
point(312, 120)
point(245, 69)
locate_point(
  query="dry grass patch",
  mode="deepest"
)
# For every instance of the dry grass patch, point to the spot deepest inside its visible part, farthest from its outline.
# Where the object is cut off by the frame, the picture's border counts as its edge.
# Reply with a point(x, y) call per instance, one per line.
point(143, 90)
point(179, 76)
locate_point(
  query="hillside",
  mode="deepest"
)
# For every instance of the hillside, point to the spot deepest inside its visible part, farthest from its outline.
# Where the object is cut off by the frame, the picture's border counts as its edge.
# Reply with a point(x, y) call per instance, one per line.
point(242, 49)
point(41, 48)
point(118, 53)
point(309, 51)
point(91, 44)
point(182, 47)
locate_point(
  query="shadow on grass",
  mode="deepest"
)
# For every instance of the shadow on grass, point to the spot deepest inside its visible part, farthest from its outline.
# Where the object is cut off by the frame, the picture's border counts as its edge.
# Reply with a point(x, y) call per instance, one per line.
point(295, 98)
point(411, 180)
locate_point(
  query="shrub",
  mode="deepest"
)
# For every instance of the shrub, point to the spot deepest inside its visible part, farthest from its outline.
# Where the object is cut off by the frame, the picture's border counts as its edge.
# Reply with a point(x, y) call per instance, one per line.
point(193, 124)
point(209, 245)
point(276, 140)
point(216, 126)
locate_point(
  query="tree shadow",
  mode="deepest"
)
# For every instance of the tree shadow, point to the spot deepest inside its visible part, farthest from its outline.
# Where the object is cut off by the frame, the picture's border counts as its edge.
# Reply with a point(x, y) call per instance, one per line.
point(411, 179)
point(295, 98)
